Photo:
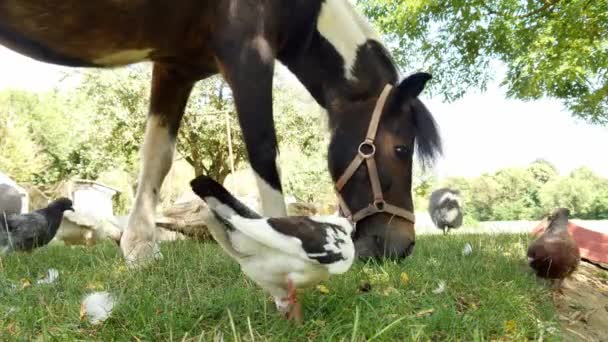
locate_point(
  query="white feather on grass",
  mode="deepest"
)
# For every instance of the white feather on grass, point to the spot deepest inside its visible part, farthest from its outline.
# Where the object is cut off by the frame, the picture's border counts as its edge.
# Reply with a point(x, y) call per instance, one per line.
point(97, 307)
point(468, 249)
point(10, 311)
point(440, 288)
point(51, 277)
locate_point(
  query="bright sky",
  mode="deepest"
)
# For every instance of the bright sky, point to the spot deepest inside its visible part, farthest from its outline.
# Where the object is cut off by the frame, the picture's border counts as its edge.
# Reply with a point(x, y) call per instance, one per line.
point(481, 132)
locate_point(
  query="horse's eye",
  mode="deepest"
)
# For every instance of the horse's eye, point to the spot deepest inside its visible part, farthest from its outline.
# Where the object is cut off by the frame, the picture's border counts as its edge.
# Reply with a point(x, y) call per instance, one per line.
point(402, 151)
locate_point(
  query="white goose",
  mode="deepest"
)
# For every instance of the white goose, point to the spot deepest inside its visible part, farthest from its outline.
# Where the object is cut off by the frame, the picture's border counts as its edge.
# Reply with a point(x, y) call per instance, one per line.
point(279, 254)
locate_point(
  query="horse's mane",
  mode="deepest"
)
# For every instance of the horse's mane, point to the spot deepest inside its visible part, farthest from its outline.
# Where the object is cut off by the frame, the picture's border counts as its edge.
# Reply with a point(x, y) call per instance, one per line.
point(428, 140)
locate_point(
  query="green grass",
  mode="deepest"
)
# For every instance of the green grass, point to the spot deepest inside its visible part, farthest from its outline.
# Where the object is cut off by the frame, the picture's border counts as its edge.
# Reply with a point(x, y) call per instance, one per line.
point(196, 292)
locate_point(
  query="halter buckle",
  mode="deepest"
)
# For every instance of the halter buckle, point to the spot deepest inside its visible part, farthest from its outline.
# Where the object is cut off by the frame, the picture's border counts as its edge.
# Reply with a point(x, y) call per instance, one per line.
point(379, 205)
point(369, 145)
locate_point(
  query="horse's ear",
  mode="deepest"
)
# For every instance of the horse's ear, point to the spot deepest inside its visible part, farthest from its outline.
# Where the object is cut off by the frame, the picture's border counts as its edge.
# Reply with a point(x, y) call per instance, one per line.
point(413, 85)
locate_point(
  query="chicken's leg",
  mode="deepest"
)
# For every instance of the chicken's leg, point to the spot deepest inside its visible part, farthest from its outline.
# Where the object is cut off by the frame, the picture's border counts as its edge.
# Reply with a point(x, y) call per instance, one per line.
point(295, 309)
point(558, 286)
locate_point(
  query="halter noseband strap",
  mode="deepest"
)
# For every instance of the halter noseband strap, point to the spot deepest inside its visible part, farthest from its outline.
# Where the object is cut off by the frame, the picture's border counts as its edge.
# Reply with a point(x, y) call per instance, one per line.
point(366, 152)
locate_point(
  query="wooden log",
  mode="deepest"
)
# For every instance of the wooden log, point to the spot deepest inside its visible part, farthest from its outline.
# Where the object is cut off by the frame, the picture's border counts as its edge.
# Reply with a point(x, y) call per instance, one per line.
point(186, 218)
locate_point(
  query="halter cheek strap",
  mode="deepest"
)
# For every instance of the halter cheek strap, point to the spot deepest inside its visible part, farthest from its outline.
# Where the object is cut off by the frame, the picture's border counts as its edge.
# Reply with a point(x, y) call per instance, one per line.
point(366, 152)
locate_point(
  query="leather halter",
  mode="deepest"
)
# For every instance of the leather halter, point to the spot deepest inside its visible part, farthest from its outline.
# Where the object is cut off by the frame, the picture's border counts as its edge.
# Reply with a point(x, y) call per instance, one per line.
point(366, 152)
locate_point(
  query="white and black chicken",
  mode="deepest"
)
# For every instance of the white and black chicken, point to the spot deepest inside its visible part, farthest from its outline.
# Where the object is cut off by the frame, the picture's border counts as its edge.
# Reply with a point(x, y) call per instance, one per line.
point(279, 254)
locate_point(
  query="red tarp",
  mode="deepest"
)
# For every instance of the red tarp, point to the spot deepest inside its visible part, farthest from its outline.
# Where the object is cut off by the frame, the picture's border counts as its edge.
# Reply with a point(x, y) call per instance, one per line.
point(591, 244)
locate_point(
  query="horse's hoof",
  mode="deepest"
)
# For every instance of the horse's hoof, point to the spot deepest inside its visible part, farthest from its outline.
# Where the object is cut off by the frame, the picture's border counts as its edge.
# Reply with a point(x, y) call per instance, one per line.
point(139, 252)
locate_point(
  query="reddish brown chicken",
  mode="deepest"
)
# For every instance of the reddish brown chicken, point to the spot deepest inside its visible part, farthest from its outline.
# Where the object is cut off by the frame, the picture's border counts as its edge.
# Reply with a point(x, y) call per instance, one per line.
point(554, 255)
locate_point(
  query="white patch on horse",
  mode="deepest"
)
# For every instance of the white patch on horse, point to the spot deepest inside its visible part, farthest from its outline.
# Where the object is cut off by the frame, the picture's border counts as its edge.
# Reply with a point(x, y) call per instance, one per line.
point(273, 202)
point(345, 29)
point(124, 57)
point(138, 242)
point(260, 44)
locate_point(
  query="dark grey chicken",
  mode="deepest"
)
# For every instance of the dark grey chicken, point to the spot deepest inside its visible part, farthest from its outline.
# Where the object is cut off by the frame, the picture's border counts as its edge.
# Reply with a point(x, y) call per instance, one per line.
point(29, 231)
point(445, 208)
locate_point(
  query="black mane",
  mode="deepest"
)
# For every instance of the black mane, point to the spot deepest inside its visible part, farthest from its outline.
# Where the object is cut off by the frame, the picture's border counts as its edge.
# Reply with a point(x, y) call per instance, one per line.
point(428, 140)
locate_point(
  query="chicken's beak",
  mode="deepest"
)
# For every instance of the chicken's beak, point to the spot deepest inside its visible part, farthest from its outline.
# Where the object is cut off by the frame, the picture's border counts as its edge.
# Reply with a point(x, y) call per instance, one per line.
point(71, 209)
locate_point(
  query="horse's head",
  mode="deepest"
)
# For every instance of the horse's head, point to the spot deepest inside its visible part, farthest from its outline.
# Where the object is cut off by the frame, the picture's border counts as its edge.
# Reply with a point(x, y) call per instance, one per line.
point(360, 156)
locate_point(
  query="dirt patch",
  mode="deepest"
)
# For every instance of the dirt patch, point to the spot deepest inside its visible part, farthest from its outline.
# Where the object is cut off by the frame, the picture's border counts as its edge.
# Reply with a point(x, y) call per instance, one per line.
point(583, 306)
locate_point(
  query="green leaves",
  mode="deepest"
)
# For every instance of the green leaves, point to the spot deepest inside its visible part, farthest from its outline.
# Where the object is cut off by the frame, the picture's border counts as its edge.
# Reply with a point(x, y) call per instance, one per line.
point(528, 194)
point(582, 191)
point(553, 48)
point(95, 131)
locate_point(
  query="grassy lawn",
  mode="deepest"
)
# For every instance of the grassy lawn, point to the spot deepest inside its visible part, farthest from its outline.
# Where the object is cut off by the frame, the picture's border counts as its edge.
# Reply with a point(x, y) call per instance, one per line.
point(198, 293)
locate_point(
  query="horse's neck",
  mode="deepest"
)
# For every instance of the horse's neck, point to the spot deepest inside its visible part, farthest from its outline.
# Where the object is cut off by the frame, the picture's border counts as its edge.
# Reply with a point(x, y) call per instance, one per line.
point(342, 57)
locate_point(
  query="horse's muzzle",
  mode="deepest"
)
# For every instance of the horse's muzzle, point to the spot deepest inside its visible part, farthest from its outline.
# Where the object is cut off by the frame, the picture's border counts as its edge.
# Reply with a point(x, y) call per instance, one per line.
point(393, 240)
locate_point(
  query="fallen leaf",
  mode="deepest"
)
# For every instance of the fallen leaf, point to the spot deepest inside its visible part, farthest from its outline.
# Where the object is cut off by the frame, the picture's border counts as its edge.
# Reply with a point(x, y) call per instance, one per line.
point(323, 289)
point(405, 279)
point(25, 283)
point(426, 312)
point(320, 323)
point(389, 291)
point(94, 286)
point(376, 278)
point(511, 327)
point(380, 278)
point(465, 304)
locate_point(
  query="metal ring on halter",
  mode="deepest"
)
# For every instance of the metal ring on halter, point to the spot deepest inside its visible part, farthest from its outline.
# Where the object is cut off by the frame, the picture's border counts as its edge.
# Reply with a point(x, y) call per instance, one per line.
point(367, 144)
point(379, 205)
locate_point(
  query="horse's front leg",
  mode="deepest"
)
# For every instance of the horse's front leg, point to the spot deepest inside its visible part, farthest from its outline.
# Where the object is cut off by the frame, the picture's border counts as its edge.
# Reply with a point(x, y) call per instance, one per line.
point(169, 95)
point(248, 68)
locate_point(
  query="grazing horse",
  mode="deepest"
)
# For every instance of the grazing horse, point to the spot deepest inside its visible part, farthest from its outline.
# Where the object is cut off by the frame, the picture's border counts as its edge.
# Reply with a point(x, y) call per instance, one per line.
point(376, 121)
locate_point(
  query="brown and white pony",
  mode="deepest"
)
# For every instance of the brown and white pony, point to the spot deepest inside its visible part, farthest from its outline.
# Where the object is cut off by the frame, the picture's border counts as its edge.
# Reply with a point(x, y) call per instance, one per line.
point(332, 50)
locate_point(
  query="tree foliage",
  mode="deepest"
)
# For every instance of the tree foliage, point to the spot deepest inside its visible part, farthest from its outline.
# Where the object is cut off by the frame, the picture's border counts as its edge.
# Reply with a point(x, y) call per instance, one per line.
point(95, 131)
point(532, 192)
point(119, 98)
point(585, 193)
point(19, 155)
point(554, 48)
point(54, 131)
